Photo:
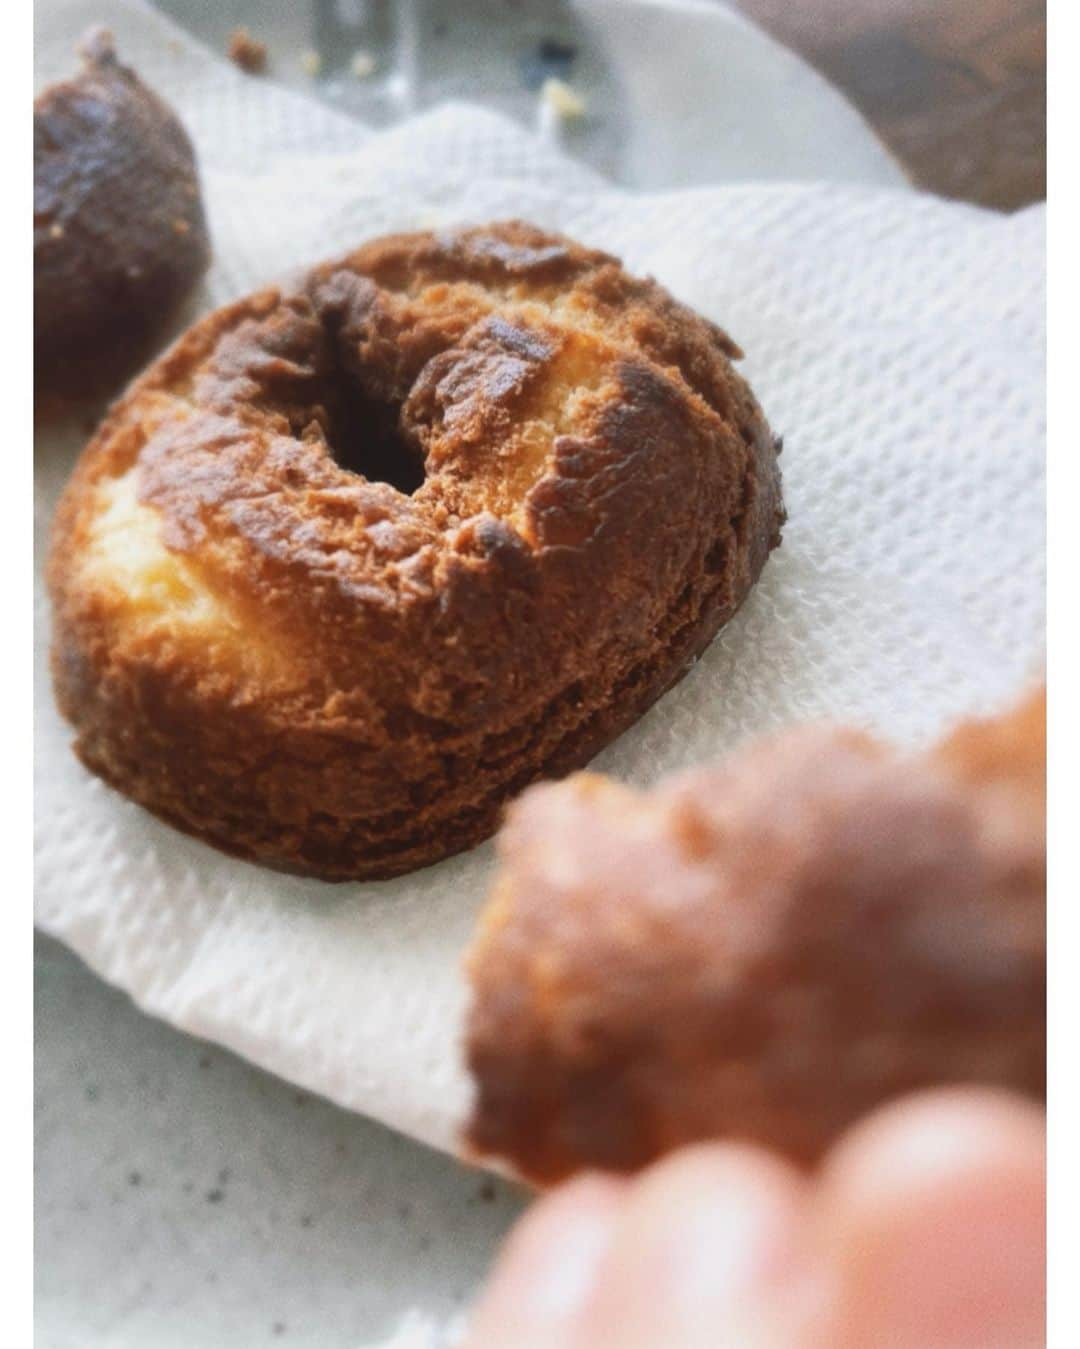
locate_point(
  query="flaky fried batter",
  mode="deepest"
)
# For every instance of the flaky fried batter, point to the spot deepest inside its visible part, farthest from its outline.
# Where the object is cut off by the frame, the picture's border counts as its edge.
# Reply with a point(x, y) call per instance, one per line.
point(360, 558)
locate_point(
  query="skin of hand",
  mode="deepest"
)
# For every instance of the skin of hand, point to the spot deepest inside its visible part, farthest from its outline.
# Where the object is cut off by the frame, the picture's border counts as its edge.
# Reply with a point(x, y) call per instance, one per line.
point(924, 1228)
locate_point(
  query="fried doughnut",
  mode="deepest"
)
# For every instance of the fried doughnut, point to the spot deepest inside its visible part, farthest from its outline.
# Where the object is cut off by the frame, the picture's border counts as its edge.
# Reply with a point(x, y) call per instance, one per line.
point(764, 949)
point(119, 231)
point(361, 557)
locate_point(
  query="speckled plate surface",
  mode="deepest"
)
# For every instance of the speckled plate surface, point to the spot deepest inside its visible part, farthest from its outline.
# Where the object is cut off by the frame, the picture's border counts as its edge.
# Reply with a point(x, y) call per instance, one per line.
point(185, 1198)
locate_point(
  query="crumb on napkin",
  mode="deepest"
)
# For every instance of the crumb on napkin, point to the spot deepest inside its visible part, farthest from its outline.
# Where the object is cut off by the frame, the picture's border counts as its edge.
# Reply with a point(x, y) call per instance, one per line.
point(565, 102)
point(247, 52)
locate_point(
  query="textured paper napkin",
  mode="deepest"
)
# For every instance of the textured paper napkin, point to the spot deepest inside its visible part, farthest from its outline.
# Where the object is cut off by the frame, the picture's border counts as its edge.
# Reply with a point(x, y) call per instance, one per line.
point(897, 343)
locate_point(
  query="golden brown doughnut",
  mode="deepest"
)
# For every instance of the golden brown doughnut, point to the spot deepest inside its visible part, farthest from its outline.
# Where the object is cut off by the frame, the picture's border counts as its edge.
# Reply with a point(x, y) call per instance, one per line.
point(119, 230)
point(764, 949)
point(360, 558)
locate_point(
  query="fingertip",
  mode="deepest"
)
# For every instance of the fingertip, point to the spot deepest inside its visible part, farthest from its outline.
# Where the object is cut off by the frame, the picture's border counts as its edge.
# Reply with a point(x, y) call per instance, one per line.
point(932, 1133)
point(545, 1270)
point(706, 1249)
point(931, 1214)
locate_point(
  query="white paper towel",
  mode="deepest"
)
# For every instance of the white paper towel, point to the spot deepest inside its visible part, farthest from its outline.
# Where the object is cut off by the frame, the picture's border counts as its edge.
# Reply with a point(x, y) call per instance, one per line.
point(897, 343)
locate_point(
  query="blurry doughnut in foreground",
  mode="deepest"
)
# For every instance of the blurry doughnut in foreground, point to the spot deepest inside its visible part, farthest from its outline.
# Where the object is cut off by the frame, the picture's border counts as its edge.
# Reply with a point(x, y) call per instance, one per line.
point(762, 949)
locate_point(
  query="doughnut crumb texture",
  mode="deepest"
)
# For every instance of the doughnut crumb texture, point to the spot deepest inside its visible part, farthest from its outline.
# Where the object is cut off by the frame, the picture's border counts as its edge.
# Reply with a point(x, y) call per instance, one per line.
point(361, 557)
point(764, 949)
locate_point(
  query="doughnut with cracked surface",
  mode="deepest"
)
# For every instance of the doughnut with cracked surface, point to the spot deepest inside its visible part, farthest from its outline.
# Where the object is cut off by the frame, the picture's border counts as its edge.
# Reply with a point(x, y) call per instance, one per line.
point(360, 558)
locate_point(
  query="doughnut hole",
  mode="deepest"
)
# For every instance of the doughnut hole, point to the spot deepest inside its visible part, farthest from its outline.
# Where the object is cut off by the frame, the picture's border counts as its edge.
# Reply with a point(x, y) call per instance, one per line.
point(330, 365)
point(363, 426)
point(364, 434)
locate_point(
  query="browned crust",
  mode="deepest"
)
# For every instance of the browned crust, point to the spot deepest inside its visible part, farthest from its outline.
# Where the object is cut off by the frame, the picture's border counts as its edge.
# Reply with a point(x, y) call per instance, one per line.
point(432, 653)
point(764, 949)
point(119, 229)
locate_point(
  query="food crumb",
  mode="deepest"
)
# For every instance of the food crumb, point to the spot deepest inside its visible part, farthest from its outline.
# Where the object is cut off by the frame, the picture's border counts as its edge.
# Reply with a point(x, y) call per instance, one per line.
point(566, 103)
point(310, 63)
point(247, 52)
point(181, 226)
point(362, 64)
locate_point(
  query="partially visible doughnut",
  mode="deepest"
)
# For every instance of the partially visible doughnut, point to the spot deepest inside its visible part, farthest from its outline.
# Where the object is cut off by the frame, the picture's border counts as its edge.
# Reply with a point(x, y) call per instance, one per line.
point(360, 558)
point(764, 949)
point(119, 230)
